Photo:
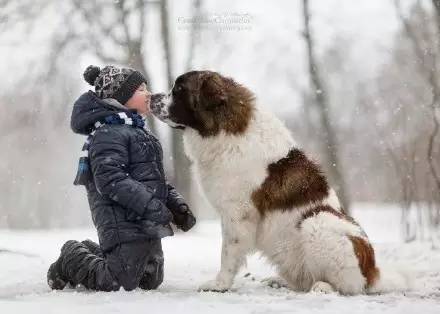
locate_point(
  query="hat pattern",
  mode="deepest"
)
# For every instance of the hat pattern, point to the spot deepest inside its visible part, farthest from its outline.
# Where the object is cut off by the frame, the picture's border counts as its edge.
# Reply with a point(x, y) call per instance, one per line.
point(113, 82)
point(110, 80)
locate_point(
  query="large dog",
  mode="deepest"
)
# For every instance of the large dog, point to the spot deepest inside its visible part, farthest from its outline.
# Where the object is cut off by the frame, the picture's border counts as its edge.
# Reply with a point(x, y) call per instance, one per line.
point(270, 196)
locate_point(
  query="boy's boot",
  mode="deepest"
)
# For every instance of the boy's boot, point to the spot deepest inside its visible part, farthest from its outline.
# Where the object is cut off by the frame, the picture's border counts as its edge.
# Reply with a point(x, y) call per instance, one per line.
point(56, 278)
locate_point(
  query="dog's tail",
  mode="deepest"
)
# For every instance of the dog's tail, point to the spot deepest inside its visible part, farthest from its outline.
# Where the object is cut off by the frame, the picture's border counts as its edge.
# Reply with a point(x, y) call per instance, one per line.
point(391, 279)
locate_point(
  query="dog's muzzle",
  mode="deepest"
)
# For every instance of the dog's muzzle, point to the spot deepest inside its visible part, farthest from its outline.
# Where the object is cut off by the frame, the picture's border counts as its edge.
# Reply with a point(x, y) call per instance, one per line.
point(160, 105)
point(157, 104)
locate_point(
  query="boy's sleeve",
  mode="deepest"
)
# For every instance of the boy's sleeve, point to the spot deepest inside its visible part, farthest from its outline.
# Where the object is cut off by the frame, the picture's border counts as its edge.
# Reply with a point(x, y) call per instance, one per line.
point(109, 158)
point(174, 200)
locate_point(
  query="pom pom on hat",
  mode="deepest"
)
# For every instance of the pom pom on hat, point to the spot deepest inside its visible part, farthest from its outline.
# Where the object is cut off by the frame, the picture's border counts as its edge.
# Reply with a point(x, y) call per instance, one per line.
point(91, 73)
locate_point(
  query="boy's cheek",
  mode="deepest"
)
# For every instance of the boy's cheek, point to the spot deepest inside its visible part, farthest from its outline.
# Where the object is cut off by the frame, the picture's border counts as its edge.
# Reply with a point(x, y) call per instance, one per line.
point(147, 105)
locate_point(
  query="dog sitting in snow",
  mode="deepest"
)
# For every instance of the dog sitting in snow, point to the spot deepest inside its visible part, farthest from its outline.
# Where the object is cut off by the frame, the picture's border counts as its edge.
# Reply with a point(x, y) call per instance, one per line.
point(270, 196)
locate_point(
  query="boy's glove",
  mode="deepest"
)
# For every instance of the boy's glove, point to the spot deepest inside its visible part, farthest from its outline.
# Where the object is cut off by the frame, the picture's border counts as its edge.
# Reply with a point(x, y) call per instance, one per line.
point(183, 218)
point(157, 212)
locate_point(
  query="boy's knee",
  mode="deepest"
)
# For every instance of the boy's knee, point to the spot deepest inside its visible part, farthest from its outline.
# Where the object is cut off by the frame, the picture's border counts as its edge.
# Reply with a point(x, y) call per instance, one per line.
point(129, 280)
point(104, 280)
point(153, 275)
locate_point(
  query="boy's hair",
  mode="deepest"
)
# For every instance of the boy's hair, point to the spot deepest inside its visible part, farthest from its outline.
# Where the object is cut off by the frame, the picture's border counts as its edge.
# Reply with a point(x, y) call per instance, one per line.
point(113, 82)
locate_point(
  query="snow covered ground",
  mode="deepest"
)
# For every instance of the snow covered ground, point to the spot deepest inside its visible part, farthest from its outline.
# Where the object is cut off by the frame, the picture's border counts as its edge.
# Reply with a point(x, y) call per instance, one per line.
point(192, 258)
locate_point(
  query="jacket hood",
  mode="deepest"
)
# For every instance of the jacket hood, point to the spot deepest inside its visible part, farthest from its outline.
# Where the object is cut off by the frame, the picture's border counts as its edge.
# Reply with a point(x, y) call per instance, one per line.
point(89, 108)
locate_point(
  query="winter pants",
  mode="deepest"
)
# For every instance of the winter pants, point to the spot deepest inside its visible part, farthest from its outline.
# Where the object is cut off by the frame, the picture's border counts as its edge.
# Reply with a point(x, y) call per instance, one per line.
point(127, 265)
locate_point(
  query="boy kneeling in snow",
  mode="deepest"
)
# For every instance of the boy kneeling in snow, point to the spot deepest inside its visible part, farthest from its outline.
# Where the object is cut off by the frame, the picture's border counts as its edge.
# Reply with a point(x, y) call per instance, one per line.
point(130, 201)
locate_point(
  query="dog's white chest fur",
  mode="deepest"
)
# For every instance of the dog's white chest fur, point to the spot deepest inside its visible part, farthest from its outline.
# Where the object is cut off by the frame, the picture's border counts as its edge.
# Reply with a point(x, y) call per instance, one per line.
point(230, 167)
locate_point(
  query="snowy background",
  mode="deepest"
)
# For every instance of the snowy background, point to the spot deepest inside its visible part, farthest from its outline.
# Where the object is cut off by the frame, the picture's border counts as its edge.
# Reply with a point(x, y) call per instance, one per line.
point(377, 60)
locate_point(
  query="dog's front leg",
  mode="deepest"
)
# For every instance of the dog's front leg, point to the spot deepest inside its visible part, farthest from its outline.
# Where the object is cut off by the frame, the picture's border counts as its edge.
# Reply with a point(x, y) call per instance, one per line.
point(238, 239)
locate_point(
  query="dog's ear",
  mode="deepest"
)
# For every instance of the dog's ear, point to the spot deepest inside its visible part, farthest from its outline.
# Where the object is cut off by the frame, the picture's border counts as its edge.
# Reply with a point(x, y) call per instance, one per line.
point(212, 90)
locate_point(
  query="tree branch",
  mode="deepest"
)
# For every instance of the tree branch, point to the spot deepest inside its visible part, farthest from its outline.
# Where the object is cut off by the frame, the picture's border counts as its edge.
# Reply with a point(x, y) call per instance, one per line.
point(107, 31)
point(321, 97)
point(22, 11)
point(123, 14)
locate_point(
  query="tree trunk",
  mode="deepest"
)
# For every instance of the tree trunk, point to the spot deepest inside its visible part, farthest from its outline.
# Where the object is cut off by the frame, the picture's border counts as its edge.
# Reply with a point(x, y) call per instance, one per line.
point(321, 97)
point(435, 101)
point(182, 177)
point(194, 35)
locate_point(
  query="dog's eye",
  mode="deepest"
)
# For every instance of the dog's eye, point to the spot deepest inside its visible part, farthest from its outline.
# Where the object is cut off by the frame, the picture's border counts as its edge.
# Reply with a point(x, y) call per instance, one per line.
point(177, 88)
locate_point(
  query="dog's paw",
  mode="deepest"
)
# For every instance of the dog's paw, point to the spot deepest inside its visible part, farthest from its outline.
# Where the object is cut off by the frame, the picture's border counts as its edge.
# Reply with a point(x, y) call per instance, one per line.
point(322, 287)
point(275, 282)
point(214, 285)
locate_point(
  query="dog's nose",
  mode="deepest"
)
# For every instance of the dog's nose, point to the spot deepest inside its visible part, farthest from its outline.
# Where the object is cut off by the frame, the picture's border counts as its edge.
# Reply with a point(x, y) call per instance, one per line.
point(157, 97)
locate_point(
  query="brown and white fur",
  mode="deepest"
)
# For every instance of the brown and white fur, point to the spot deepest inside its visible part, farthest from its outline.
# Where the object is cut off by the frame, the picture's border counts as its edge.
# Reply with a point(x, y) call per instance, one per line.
point(270, 196)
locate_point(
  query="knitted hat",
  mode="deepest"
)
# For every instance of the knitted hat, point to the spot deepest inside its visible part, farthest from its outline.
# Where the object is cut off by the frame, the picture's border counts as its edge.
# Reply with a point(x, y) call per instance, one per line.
point(113, 82)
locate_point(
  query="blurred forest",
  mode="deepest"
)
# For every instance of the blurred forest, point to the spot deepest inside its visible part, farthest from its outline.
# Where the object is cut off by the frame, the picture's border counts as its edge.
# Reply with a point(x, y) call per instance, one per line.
point(367, 109)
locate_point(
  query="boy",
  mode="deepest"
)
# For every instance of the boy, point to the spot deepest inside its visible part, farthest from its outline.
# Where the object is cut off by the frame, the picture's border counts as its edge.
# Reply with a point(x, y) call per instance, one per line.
point(130, 202)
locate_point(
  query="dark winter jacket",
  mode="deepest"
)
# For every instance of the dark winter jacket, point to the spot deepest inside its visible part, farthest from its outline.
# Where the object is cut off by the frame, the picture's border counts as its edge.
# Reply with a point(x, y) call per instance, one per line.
point(128, 195)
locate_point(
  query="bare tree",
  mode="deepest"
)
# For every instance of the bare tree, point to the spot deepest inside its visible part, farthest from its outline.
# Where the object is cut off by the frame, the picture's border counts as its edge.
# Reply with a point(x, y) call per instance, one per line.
point(433, 80)
point(404, 166)
point(321, 98)
point(194, 35)
point(109, 33)
point(181, 164)
point(426, 51)
point(164, 23)
point(401, 107)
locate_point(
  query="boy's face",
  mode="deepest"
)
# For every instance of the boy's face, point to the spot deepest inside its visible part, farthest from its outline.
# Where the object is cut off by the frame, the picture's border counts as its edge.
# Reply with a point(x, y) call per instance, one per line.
point(140, 100)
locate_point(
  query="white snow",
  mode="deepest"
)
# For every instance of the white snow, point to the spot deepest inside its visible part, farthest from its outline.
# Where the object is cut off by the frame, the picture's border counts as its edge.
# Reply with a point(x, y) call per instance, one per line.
point(194, 257)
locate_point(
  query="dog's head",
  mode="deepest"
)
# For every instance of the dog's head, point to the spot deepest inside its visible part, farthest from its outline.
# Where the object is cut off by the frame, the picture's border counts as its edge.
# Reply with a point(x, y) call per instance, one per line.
point(207, 102)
